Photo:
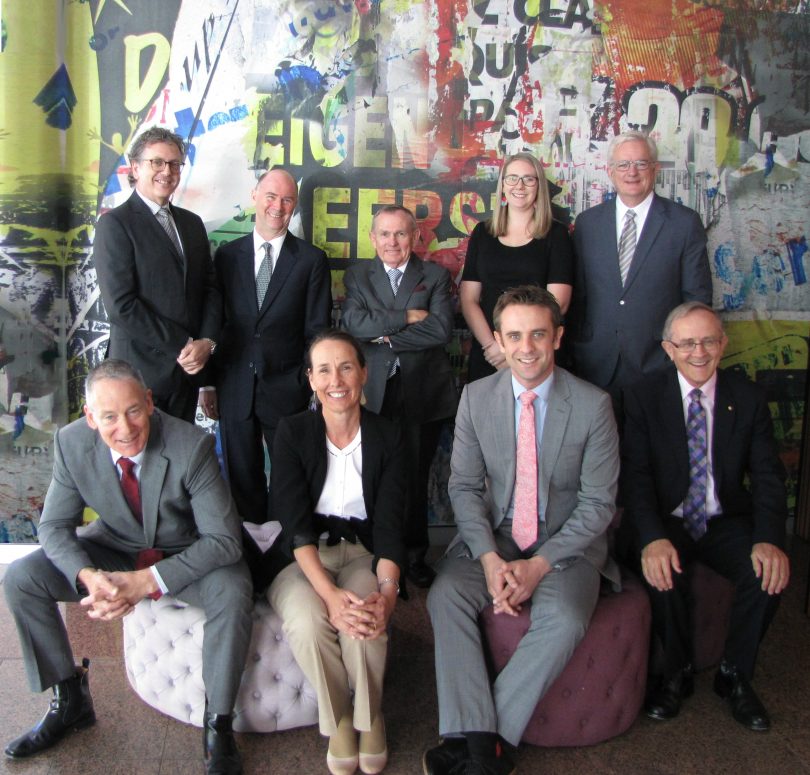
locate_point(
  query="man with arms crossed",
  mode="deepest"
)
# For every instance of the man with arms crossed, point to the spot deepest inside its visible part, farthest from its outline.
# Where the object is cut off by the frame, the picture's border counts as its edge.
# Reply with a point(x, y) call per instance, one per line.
point(156, 278)
point(533, 482)
point(166, 524)
point(702, 481)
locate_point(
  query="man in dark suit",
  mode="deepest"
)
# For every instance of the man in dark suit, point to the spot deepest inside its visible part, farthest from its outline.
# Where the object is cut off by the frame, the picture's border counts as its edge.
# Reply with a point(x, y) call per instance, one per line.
point(398, 306)
point(166, 524)
point(533, 481)
point(157, 283)
point(277, 295)
point(702, 481)
point(638, 256)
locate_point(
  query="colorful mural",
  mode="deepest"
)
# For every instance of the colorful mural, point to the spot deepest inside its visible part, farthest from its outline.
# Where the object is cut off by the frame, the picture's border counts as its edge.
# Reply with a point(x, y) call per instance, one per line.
point(377, 101)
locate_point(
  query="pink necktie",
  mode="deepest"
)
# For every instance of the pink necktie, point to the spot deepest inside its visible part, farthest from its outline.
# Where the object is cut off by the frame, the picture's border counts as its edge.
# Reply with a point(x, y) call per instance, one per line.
point(524, 518)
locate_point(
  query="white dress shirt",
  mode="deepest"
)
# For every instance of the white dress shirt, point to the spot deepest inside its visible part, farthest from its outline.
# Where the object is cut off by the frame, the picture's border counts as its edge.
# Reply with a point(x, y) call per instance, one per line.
point(642, 210)
point(342, 494)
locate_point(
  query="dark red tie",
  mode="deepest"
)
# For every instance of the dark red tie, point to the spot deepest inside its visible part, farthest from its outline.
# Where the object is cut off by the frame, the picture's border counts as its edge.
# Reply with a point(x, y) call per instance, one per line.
point(129, 485)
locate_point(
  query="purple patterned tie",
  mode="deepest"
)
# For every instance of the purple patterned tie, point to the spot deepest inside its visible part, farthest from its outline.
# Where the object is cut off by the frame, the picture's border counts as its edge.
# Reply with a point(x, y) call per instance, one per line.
point(694, 505)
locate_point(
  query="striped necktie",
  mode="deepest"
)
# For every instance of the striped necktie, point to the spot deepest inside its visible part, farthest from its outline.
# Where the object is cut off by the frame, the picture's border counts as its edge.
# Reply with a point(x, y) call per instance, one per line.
point(165, 219)
point(627, 244)
point(394, 277)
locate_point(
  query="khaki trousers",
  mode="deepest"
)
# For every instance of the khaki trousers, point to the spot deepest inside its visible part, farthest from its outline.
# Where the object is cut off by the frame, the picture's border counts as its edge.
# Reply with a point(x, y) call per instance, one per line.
point(334, 663)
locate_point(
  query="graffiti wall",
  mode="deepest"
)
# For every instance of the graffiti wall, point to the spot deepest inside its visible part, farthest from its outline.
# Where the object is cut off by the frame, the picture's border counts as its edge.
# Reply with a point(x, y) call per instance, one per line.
point(378, 101)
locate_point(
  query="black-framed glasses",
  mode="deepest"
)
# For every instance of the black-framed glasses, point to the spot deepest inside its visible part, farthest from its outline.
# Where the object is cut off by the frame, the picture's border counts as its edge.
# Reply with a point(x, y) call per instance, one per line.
point(530, 181)
point(158, 164)
point(642, 165)
point(709, 343)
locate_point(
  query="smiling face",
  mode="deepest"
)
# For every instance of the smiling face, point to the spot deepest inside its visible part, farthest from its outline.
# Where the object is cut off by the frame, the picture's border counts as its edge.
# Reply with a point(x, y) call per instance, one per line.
point(633, 186)
point(119, 409)
point(528, 340)
point(275, 198)
point(157, 186)
point(520, 196)
point(336, 376)
point(697, 366)
point(394, 238)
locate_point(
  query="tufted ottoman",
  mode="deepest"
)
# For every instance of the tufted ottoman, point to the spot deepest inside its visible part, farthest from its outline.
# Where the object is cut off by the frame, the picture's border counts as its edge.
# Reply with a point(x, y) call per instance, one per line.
point(163, 656)
point(601, 690)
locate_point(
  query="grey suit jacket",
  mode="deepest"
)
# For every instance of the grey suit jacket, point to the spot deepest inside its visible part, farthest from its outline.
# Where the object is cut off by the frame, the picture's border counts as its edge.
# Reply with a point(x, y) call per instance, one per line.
point(187, 508)
point(609, 321)
point(371, 310)
point(156, 300)
point(577, 471)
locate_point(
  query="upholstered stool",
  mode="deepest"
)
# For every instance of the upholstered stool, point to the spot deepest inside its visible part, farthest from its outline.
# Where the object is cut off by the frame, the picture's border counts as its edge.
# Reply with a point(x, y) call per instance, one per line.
point(163, 655)
point(601, 690)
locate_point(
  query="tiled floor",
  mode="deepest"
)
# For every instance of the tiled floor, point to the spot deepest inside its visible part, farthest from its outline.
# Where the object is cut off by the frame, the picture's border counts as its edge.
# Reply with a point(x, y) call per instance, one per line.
point(130, 738)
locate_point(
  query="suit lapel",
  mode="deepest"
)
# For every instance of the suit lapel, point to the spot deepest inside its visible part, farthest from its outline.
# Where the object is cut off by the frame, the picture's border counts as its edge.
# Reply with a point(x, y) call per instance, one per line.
point(502, 428)
point(152, 226)
point(185, 239)
point(153, 473)
point(652, 225)
point(413, 274)
point(381, 285)
point(670, 406)
point(724, 414)
point(110, 482)
point(282, 267)
point(606, 228)
point(558, 412)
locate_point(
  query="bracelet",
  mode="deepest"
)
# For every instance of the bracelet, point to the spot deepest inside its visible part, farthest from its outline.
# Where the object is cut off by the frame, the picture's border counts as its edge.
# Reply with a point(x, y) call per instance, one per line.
point(211, 343)
point(387, 580)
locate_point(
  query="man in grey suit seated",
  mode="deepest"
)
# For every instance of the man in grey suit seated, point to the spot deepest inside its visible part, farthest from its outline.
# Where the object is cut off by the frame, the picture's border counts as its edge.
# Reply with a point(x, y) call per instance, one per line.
point(166, 524)
point(533, 481)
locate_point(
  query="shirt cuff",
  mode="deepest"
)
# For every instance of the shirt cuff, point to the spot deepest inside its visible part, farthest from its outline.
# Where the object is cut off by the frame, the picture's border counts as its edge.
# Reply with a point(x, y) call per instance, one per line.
point(158, 580)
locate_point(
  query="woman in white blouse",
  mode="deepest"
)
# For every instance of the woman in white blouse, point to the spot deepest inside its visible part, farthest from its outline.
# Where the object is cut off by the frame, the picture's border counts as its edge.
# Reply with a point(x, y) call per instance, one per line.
point(339, 489)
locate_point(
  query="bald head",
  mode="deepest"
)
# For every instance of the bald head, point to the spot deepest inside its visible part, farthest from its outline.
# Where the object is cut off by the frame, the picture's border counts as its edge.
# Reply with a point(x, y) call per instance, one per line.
point(275, 198)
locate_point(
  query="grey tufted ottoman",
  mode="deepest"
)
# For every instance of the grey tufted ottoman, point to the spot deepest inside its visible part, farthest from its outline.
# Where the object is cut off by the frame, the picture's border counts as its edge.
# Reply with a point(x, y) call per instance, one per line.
point(163, 656)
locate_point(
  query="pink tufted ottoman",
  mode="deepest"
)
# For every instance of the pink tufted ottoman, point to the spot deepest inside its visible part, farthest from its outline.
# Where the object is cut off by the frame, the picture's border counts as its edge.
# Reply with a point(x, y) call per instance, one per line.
point(600, 692)
point(163, 656)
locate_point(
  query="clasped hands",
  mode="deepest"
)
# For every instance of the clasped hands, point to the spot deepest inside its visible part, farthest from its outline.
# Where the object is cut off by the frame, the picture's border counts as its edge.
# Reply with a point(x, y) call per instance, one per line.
point(362, 619)
point(113, 594)
point(512, 583)
point(194, 355)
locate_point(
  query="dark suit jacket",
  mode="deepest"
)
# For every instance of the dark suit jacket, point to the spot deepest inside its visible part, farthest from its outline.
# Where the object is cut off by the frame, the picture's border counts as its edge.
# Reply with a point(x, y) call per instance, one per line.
point(609, 320)
point(187, 507)
point(748, 474)
point(155, 299)
point(299, 472)
point(371, 310)
point(270, 341)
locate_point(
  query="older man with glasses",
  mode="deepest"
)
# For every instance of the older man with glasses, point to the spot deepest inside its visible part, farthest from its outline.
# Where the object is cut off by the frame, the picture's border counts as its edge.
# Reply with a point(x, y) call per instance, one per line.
point(157, 280)
point(702, 480)
point(638, 256)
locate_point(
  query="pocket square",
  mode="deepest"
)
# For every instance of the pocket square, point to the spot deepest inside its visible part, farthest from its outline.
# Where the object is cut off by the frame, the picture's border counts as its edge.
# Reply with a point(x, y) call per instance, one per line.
point(420, 288)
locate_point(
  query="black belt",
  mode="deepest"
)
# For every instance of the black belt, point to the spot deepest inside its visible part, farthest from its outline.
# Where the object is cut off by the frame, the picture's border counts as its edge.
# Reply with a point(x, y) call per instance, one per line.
point(338, 528)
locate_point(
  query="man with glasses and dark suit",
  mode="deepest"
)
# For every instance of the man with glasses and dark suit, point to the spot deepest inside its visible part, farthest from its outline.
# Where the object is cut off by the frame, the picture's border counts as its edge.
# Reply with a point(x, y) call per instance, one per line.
point(702, 480)
point(156, 277)
point(638, 256)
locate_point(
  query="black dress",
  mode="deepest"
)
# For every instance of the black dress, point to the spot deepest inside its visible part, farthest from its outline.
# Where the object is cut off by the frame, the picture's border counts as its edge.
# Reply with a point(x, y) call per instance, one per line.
point(497, 267)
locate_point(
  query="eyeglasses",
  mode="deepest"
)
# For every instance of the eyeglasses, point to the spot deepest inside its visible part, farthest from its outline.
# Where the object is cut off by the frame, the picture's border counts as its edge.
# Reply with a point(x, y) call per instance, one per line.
point(710, 344)
point(640, 164)
point(530, 181)
point(159, 164)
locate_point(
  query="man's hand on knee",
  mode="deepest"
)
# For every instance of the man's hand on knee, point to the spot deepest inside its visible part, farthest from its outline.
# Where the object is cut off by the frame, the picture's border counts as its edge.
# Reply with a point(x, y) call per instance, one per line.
point(658, 560)
point(771, 564)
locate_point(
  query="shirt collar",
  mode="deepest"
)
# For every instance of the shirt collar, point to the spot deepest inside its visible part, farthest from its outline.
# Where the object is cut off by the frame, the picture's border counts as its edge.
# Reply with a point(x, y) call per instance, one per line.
point(153, 206)
point(137, 459)
point(401, 267)
point(541, 391)
point(348, 449)
point(641, 209)
point(707, 388)
point(276, 242)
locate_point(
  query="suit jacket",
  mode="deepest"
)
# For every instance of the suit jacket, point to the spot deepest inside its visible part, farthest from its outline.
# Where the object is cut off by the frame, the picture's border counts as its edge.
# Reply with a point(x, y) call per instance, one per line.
point(269, 342)
point(748, 474)
point(610, 321)
point(155, 299)
point(299, 472)
point(187, 508)
point(371, 310)
point(577, 470)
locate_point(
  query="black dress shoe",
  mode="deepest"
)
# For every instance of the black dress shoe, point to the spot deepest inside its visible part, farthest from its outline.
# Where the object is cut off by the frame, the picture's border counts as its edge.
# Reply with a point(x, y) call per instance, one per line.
point(664, 701)
point(732, 685)
point(71, 709)
point(219, 747)
point(420, 574)
point(445, 757)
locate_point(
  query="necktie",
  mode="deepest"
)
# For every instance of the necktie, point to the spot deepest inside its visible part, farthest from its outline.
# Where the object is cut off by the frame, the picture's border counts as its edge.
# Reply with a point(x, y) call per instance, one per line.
point(129, 485)
point(394, 277)
point(627, 244)
point(694, 505)
point(165, 219)
point(524, 518)
point(264, 273)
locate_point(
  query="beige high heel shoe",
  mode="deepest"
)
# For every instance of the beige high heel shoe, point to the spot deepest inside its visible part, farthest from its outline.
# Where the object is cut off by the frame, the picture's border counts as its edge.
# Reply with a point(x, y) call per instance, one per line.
point(373, 748)
point(342, 754)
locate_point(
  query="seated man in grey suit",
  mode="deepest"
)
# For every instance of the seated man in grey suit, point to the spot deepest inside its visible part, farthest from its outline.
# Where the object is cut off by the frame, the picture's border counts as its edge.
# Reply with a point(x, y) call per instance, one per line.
point(532, 482)
point(702, 480)
point(166, 524)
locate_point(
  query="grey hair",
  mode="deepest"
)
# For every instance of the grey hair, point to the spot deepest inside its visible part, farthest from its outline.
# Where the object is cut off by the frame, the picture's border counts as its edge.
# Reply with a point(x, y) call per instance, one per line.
point(633, 136)
point(113, 368)
point(681, 311)
point(390, 209)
